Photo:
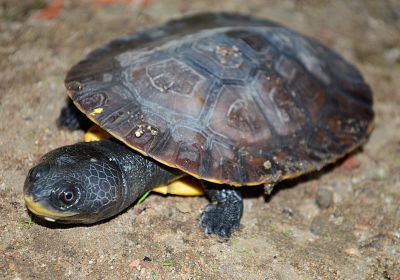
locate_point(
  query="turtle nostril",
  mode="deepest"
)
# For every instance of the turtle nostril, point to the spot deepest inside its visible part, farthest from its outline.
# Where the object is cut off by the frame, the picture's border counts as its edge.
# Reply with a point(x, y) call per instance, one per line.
point(38, 172)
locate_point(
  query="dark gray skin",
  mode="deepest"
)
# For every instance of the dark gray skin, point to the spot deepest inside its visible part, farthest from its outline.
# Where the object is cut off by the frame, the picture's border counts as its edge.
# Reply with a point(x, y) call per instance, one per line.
point(97, 180)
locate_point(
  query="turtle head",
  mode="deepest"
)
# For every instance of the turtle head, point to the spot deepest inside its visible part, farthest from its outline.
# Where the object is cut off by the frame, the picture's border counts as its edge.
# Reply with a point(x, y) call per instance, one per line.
point(75, 184)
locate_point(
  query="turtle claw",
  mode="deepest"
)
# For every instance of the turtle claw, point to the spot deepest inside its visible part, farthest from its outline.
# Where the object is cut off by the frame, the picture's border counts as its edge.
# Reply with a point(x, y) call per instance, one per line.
point(222, 218)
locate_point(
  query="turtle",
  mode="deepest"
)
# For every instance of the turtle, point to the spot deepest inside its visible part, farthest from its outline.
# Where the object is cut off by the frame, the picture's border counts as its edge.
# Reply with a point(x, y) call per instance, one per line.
point(229, 99)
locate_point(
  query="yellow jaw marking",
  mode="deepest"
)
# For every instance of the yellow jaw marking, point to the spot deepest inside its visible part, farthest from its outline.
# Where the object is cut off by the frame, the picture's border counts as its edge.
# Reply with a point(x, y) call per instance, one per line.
point(37, 209)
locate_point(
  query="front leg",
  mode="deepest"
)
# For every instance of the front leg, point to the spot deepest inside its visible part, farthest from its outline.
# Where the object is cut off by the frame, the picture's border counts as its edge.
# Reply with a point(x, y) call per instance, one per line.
point(223, 216)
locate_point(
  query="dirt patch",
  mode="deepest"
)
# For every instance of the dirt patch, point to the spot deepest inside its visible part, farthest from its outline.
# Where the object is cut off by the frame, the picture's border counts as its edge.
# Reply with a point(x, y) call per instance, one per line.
point(354, 233)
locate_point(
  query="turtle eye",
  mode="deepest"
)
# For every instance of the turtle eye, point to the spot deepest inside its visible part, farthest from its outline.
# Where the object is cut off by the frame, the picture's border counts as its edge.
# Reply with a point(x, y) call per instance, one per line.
point(69, 195)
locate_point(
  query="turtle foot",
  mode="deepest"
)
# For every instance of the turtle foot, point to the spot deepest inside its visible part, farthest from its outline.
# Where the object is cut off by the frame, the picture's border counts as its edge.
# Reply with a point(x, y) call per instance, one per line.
point(223, 217)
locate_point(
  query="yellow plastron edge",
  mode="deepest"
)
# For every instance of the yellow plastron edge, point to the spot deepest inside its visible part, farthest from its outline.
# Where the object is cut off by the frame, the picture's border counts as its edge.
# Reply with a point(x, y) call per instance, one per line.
point(185, 186)
point(96, 133)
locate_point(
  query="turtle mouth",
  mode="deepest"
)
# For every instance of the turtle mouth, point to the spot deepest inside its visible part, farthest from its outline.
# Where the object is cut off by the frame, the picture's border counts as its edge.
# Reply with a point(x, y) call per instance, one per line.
point(43, 209)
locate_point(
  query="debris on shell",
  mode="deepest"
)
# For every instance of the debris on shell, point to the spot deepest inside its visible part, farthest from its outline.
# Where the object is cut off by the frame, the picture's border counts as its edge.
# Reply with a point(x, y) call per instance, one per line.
point(267, 164)
point(243, 152)
point(97, 111)
point(153, 132)
point(142, 129)
point(225, 53)
point(139, 116)
point(164, 87)
point(139, 132)
point(74, 85)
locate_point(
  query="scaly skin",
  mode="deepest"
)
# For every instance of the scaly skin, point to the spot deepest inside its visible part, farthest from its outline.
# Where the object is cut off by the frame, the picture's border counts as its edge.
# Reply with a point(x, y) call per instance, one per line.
point(99, 178)
point(89, 182)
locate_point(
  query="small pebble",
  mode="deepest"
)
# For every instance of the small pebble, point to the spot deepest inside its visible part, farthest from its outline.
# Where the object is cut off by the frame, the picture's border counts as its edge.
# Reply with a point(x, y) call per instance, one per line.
point(350, 163)
point(184, 207)
point(324, 198)
point(320, 225)
point(288, 212)
point(381, 173)
point(134, 263)
point(353, 252)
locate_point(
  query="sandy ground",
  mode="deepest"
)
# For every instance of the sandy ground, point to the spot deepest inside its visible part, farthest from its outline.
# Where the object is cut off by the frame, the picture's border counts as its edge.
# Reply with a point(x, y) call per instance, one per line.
point(354, 235)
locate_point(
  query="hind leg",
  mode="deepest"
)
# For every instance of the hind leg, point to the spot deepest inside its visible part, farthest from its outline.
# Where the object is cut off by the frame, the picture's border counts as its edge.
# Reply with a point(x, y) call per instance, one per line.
point(72, 119)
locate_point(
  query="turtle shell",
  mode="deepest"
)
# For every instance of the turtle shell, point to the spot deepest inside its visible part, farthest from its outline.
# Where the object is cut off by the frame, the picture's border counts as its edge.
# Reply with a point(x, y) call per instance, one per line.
point(227, 98)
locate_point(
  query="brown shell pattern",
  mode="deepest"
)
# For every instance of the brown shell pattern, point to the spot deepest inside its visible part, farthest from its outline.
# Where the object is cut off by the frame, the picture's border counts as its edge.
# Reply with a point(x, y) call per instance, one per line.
point(227, 98)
